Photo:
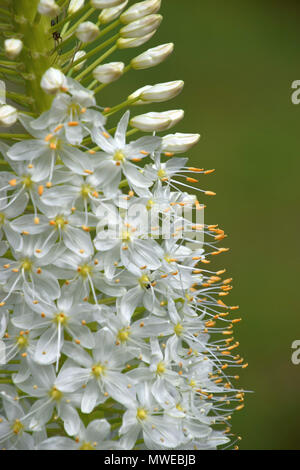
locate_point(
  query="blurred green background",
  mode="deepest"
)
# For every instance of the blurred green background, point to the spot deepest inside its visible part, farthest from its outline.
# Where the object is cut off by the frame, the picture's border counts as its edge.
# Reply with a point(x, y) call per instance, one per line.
point(238, 60)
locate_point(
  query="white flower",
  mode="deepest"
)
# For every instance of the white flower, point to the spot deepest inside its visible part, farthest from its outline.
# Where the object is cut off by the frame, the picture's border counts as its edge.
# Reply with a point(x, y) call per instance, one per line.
point(108, 73)
point(126, 43)
point(54, 81)
point(138, 10)
point(100, 373)
point(154, 121)
point(141, 27)
point(14, 426)
point(94, 437)
point(66, 314)
point(42, 385)
point(109, 14)
point(71, 113)
point(179, 143)
point(159, 432)
point(87, 31)
point(48, 7)
point(8, 115)
point(26, 269)
point(13, 47)
point(152, 57)
point(75, 5)
point(162, 92)
point(118, 157)
point(46, 148)
point(106, 3)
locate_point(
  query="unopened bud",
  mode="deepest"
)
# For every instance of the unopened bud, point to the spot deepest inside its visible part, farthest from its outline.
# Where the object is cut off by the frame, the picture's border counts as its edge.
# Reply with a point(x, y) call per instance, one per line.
point(141, 27)
point(8, 115)
point(179, 143)
point(126, 43)
point(75, 5)
point(110, 14)
point(105, 3)
point(139, 10)
point(13, 47)
point(48, 7)
point(87, 32)
point(137, 94)
point(54, 81)
point(77, 56)
point(151, 122)
point(162, 91)
point(108, 73)
point(152, 57)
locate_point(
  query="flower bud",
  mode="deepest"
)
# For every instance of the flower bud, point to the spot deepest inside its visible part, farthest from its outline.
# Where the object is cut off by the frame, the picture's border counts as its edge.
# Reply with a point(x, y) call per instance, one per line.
point(48, 7)
point(87, 32)
point(8, 115)
point(162, 91)
point(138, 10)
point(108, 73)
point(151, 122)
point(141, 27)
point(13, 47)
point(137, 94)
point(152, 57)
point(79, 55)
point(54, 81)
point(75, 5)
point(126, 43)
point(110, 14)
point(179, 143)
point(105, 3)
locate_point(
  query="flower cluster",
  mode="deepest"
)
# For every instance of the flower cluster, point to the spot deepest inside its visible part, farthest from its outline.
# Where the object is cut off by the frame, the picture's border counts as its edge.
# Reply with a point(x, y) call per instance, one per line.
point(101, 314)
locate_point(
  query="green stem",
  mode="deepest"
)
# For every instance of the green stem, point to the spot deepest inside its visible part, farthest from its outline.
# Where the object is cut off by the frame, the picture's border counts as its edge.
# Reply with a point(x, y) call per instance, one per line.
point(98, 61)
point(95, 51)
point(36, 53)
point(69, 18)
point(108, 300)
point(81, 20)
point(6, 381)
point(15, 136)
point(19, 98)
point(120, 106)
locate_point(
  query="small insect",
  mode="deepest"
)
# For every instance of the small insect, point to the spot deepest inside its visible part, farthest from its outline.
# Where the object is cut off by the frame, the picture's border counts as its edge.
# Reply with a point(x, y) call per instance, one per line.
point(56, 34)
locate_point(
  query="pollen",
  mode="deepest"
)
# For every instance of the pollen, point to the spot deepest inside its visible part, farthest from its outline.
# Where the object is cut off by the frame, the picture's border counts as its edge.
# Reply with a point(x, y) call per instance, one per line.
point(13, 182)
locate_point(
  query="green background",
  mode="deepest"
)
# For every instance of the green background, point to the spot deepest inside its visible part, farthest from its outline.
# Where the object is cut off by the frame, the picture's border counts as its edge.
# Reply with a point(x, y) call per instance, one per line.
point(238, 60)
